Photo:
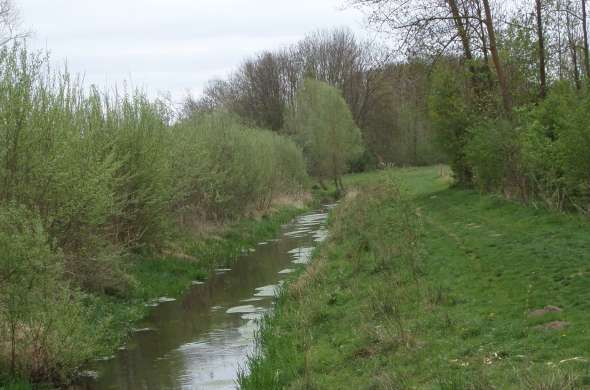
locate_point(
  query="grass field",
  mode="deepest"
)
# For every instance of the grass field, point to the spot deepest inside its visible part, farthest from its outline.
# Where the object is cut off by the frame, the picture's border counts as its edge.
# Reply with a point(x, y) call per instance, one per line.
point(434, 288)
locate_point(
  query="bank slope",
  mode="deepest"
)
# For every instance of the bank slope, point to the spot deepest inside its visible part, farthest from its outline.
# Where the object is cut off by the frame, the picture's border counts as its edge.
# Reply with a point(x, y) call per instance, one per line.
point(434, 288)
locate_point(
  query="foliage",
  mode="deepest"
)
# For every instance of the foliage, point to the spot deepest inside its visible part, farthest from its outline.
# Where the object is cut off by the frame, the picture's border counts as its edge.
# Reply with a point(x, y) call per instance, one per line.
point(451, 117)
point(229, 169)
point(387, 99)
point(539, 154)
point(323, 126)
point(494, 156)
point(89, 181)
point(46, 330)
point(555, 147)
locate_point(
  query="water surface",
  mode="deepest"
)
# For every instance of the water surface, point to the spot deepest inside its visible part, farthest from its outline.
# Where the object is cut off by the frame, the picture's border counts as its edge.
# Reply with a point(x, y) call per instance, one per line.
point(202, 340)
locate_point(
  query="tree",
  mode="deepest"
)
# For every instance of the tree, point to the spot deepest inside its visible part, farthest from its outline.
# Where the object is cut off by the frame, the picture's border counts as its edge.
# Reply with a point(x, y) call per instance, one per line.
point(585, 33)
point(9, 23)
point(541, 38)
point(325, 129)
point(489, 22)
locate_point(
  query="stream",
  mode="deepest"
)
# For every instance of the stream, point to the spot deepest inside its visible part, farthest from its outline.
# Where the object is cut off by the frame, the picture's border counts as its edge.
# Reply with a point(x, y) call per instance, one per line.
point(203, 340)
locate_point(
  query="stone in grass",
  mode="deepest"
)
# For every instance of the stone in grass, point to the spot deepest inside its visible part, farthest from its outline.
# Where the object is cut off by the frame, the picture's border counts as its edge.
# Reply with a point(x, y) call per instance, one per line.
point(545, 310)
point(555, 325)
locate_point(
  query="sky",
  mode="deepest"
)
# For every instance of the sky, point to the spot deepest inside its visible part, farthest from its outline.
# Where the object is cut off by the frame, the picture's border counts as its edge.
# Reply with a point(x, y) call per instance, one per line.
point(171, 46)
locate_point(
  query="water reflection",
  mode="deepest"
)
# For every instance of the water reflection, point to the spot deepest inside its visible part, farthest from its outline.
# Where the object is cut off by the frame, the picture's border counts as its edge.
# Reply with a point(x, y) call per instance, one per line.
point(202, 340)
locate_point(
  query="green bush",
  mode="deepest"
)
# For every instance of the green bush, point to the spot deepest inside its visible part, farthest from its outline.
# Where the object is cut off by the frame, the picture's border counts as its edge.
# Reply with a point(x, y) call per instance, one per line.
point(493, 153)
point(232, 169)
point(110, 174)
point(540, 153)
point(451, 117)
point(555, 142)
point(45, 329)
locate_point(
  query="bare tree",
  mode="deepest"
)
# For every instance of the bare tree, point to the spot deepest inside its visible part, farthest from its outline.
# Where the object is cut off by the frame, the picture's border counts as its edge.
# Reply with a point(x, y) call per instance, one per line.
point(433, 27)
point(585, 32)
point(541, 38)
point(461, 30)
point(570, 27)
point(506, 96)
point(9, 23)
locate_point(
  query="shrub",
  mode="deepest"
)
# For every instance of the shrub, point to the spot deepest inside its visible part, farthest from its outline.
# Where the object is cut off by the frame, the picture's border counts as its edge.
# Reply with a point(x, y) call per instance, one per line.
point(228, 169)
point(451, 118)
point(493, 153)
point(555, 142)
point(45, 329)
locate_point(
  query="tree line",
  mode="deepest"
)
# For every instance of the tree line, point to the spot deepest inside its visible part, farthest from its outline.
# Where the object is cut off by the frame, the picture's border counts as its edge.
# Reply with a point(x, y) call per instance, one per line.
point(386, 97)
point(508, 97)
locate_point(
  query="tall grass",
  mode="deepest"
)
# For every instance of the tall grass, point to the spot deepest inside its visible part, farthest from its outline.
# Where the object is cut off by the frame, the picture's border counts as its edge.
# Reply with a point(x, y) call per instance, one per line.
point(87, 177)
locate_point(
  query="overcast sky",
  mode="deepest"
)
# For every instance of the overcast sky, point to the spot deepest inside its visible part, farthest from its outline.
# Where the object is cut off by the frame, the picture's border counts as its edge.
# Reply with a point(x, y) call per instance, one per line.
point(172, 46)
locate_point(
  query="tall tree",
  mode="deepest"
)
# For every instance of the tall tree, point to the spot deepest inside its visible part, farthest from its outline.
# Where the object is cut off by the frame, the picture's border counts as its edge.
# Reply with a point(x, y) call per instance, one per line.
point(9, 23)
point(541, 39)
point(506, 95)
point(585, 32)
point(571, 38)
point(325, 129)
point(461, 30)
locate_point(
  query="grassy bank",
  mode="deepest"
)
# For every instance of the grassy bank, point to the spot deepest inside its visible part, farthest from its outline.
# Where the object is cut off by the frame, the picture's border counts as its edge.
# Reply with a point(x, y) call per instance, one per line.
point(434, 288)
point(172, 276)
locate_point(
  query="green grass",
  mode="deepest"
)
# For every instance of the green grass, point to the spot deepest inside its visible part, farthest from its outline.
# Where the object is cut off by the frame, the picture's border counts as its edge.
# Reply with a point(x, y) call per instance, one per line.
point(432, 290)
point(158, 277)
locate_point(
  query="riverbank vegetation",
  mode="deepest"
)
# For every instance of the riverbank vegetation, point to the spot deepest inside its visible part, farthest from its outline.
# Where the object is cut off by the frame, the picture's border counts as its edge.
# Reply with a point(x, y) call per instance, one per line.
point(322, 124)
point(425, 286)
point(93, 185)
point(109, 199)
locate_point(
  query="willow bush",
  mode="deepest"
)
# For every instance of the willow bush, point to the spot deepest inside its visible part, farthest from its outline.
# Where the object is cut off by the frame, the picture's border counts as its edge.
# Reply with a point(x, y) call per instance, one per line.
point(91, 177)
point(46, 330)
point(229, 169)
point(324, 127)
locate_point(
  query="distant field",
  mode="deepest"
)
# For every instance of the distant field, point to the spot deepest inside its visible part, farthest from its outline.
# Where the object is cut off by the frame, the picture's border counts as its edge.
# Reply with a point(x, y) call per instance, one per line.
point(436, 288)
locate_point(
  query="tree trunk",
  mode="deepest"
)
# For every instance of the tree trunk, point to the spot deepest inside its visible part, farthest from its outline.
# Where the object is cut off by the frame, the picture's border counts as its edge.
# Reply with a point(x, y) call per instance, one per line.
point(585, 27)
point(575, 65)
point(341, 184)
point(506, 96)
point(484, 41)
point(461, 30)
point(574, 49)
point(541, 38)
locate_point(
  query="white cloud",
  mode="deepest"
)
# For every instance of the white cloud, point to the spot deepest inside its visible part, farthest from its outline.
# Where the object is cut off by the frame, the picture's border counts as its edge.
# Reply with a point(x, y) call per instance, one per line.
point(172, 45)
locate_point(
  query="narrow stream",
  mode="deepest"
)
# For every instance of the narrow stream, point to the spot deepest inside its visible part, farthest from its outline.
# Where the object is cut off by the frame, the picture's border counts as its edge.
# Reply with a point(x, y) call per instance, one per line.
point(202, 340)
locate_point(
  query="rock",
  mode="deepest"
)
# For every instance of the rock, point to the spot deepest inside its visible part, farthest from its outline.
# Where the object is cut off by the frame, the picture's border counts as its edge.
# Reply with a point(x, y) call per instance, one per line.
point(545, 310)
point(555, 325)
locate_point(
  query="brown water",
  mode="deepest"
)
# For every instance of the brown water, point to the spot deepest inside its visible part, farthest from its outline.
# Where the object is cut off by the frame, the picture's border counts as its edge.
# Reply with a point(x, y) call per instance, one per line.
point(202, 340)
